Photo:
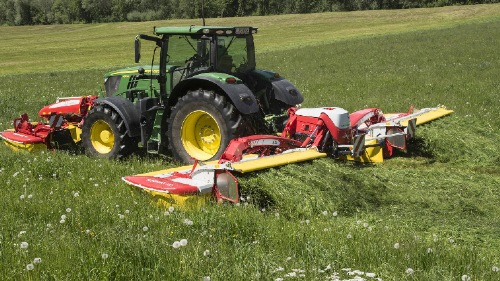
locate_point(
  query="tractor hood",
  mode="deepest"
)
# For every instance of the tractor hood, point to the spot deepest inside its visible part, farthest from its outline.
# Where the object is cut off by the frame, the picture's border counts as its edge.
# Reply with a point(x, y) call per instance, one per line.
point(133, 70)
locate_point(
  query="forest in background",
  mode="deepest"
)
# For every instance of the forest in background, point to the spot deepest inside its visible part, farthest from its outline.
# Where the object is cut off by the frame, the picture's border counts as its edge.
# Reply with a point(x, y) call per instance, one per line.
point(33, 12)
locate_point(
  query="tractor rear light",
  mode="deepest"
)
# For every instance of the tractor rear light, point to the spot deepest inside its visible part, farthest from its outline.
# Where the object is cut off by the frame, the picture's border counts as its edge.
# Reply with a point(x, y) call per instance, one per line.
point(206, 31)
point(231, 80)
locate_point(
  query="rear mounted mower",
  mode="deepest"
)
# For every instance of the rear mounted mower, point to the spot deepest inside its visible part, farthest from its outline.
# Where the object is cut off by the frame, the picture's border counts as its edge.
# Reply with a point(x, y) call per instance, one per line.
point(310, 133)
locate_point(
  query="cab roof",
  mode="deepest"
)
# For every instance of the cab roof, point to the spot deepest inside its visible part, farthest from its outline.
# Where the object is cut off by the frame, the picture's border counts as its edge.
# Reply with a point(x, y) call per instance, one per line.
point(206, 30)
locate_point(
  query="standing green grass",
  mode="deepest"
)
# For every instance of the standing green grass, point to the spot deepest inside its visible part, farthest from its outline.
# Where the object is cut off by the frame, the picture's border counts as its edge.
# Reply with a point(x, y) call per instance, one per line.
point(429, 214)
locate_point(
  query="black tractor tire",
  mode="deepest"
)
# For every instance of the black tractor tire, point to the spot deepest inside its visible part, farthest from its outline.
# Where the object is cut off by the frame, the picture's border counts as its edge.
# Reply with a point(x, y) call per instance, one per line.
point(201, 125)
point(105, 135)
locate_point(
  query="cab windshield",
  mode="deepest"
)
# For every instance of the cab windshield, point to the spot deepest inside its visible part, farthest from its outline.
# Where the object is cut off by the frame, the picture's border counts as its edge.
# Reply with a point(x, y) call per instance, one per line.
point(228, 54)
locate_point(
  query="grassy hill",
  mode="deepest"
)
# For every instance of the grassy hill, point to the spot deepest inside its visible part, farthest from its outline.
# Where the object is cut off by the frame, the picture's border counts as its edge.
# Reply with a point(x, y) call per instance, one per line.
point(431, 213)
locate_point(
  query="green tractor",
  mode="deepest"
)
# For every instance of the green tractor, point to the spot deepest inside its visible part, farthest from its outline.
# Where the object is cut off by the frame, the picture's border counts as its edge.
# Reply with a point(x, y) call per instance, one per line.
point(204, 91)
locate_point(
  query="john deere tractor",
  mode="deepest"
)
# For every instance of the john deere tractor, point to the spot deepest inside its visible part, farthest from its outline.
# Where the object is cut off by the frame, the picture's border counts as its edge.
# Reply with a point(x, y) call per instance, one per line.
point(202, 91)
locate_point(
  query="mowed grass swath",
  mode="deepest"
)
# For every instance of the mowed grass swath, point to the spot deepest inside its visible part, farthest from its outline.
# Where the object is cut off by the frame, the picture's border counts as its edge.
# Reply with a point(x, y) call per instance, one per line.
point(428, 214)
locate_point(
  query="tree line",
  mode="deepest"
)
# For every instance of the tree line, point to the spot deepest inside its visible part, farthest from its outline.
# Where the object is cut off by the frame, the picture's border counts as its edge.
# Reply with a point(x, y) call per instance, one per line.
point(31, 12)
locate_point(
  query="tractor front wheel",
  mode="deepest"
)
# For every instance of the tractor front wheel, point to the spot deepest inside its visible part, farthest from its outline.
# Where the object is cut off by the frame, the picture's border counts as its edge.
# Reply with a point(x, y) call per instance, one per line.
point(105, 135)
point(201, 125)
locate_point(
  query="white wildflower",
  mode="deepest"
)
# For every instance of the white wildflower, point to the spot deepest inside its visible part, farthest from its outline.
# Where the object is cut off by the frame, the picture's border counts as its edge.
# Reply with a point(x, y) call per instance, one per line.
point(171, 209)
point(37, 260)
point(30, 266)
point(409, 270)
point(396, 246)
point(465, 277)
point(335, 214)
point(176, 244)
point(325, 213)
point(24, 245)
point(145, 229)
point(494, 268)
point(104, 256)
point(22, 197)
point(206, 253)
point(183, 242)
point(68, 210)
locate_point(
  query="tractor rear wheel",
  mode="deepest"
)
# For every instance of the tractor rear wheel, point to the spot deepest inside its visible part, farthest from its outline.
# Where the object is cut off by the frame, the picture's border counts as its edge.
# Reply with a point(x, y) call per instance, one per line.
point(105, 135)
point(201, 125)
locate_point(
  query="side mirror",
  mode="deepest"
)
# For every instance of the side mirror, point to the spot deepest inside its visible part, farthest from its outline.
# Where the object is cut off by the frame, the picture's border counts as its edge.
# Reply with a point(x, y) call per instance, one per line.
point(226, 187)
point(137, 49)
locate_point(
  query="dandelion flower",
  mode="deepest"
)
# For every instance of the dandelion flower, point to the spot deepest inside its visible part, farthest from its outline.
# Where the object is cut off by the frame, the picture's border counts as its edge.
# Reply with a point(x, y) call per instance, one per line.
point(183, 242)
point(188, 222)
point(277, 215)
point(167, 213)
point(495, 268)
point(465, 277)
point(365, 224)
point(409, 270)
point(63, 217)
point(127, 211)
point(206, 278)
point(429, 250)
point(30, 266)
point(62, 221)
point(87, 231)
point(104, 256)
point(349, 236)
point(325, 213)
point(121, 216)
point(76, 194)
point(396, 246)
point(279, 269)
point(15, 174)
point(171, 209)
point(176, 244)
point(451, 240)
point(24, 245)
point(435, 237)
point(68, 210)
point(21, 233)
point(370, 274)
point(206, 253)
point(145, 229)
point(37, 260)
point(22, 197)
point(30, 196)
point(49, 225)
point(334, 214)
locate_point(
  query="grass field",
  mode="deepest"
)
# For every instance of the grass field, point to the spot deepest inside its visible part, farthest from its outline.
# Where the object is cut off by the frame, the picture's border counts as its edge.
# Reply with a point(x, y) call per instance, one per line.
point(431, 213)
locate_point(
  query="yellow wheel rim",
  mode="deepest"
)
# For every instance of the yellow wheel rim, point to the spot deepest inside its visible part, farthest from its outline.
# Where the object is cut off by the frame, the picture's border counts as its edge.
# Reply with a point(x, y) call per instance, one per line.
point(200, 135)
point(102, 137)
